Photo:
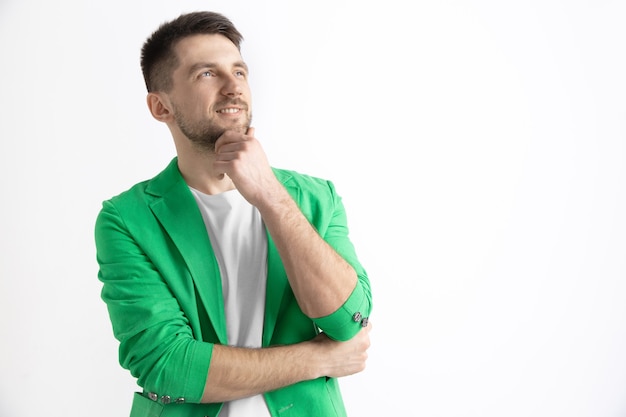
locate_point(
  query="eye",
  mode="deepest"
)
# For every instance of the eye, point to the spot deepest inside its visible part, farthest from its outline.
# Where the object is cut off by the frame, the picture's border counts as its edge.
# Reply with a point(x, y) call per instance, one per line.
point(241, 74)
point(206, 74)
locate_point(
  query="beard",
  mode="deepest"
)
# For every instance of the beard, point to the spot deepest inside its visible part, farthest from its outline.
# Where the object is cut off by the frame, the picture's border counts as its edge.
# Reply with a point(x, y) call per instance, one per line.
point(204, 133)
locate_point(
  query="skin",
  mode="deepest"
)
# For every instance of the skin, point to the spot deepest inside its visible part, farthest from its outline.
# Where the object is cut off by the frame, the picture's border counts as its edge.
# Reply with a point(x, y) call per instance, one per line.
point(211, 77)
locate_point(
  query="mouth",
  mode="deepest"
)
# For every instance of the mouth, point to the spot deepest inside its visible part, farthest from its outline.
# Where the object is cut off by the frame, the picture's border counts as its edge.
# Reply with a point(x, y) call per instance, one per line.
point(229, 110)
point(231, 107)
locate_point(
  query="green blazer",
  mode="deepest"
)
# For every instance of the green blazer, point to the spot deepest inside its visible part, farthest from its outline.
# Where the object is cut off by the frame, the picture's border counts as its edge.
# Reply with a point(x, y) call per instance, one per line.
point(162, 286)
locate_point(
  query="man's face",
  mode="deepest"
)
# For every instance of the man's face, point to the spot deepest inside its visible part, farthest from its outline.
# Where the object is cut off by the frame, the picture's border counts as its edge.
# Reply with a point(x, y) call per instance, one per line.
point(210, 91)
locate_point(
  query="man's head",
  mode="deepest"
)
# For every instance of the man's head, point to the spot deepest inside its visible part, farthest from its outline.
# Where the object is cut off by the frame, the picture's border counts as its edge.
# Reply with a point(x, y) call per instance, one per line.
point(158, 57)
point(197, 80)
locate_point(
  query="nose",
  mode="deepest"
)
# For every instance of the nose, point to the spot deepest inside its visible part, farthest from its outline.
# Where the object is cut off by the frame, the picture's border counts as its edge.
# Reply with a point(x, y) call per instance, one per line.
point(232, 86)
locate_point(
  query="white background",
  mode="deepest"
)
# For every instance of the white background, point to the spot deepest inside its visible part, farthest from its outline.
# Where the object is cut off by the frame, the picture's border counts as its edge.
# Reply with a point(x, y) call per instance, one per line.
point(479, 147)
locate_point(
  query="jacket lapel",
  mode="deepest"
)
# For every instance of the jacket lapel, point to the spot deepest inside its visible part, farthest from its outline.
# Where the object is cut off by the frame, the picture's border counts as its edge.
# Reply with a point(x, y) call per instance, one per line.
point(178, 213)
point(275, 290)
point(277, 282)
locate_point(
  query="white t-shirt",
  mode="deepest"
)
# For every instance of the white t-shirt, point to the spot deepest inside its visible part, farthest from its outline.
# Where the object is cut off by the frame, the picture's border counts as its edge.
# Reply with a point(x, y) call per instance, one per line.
point(239, 241)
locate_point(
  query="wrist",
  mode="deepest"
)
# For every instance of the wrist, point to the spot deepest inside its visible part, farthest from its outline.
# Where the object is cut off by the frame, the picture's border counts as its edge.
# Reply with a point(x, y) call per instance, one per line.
point(314, 357)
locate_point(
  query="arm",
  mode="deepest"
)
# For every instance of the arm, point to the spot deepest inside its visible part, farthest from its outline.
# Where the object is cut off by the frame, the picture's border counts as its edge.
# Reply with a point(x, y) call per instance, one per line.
point(320, 278)
point(240, 372)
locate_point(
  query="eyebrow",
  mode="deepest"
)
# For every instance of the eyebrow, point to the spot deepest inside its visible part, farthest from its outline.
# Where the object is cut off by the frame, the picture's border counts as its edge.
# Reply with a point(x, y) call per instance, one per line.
point(210, 65)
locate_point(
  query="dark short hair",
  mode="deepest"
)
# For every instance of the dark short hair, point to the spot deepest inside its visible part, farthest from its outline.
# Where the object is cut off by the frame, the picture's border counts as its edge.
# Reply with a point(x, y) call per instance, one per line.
point(158, 59)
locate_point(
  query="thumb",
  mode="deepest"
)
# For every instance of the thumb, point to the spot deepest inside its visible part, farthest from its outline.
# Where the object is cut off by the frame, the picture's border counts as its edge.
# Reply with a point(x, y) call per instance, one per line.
point(250, 132)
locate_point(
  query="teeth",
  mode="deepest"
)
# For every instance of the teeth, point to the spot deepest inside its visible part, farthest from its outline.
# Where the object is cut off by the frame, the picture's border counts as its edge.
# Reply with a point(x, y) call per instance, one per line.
point(229, 110)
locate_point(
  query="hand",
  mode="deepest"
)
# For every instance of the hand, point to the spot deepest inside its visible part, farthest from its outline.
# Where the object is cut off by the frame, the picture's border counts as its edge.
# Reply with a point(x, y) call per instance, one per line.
point(242, 158)
point(343, 358)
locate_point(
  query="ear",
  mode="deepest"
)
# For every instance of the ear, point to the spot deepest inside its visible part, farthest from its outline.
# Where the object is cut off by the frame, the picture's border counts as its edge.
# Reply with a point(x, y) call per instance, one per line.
point(160, 107)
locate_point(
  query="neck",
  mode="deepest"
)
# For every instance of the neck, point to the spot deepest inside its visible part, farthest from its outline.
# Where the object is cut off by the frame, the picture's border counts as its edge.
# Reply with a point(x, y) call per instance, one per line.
point(196, 167)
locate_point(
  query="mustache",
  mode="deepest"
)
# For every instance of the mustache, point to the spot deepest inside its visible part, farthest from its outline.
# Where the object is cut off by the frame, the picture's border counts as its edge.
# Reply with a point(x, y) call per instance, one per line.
point(232, 103)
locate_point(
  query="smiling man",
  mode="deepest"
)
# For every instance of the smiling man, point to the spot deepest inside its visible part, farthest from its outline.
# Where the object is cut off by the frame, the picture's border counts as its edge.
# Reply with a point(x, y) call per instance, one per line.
point(232, 286)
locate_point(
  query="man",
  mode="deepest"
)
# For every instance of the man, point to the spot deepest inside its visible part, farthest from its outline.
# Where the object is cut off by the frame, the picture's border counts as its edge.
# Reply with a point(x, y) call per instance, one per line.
point(232, 286)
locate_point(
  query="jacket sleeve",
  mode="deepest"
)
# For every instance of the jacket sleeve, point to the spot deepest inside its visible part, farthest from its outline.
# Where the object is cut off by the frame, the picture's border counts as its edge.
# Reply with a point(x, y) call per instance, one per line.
point(156, 342)
point(330, 220)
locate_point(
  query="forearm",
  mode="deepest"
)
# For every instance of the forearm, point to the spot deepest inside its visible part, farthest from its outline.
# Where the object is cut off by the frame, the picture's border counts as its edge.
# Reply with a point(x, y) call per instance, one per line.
point(320, 278)
point(242, 372)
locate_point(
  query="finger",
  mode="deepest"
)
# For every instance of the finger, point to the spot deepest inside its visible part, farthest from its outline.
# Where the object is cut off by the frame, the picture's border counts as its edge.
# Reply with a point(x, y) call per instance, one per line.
point(228, 137)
